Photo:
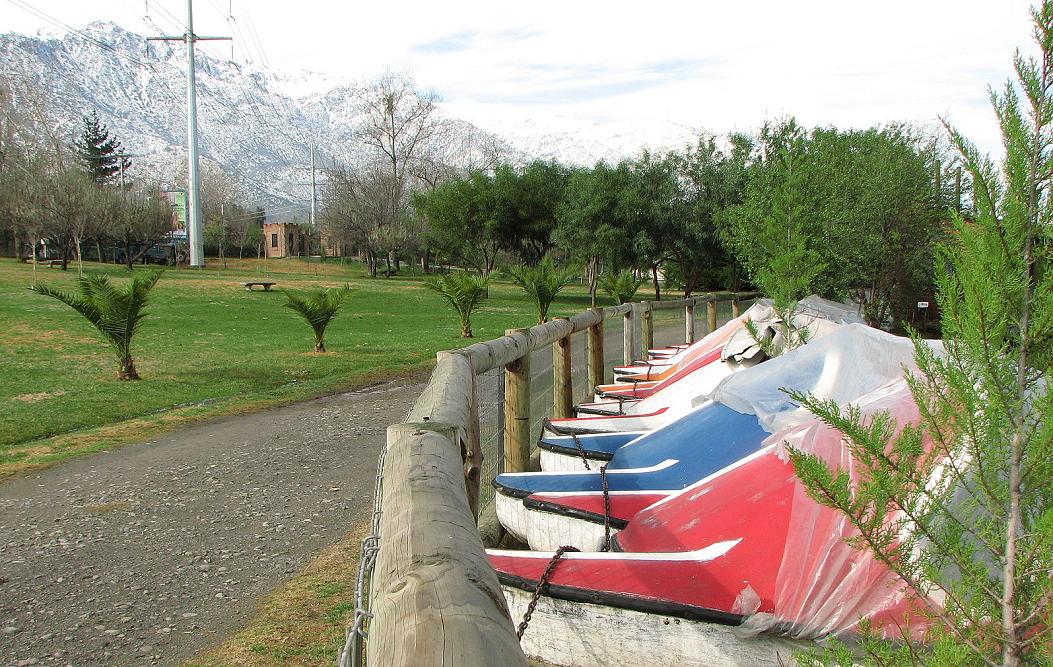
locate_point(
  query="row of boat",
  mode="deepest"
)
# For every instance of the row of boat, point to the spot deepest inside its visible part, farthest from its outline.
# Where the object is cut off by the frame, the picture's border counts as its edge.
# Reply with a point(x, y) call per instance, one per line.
point(695, 541)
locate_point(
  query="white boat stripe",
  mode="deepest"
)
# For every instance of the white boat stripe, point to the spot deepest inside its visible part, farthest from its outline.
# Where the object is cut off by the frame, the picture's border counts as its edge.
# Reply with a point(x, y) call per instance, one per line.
point(626, 471)
point(715, 550)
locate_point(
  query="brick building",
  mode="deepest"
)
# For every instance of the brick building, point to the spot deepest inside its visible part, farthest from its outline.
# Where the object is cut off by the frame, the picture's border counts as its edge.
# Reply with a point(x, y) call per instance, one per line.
point(285, 239)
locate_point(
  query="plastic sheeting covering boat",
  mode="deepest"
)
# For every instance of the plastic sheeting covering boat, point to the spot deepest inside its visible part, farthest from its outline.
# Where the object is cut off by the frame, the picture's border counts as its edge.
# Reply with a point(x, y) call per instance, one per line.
point(740, 568)
point(645, 407)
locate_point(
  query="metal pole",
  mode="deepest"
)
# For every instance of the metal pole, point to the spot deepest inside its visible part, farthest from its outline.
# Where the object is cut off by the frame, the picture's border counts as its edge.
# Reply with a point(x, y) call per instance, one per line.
point(194, 230)
point(313, 185)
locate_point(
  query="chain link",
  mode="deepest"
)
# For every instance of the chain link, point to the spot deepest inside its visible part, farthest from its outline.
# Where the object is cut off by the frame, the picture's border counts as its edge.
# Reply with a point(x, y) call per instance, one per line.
point(581, 450)
point(606, 510)
point(606, 492)
point(541, 583)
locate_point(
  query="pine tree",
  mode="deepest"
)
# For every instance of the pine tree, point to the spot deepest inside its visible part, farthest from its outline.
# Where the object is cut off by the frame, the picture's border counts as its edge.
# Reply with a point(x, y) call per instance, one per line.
point(971, 482)
point(101, 153)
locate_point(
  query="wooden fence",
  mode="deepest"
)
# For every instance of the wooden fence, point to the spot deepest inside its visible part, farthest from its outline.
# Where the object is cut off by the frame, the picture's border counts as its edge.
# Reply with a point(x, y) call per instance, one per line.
point(433, 597)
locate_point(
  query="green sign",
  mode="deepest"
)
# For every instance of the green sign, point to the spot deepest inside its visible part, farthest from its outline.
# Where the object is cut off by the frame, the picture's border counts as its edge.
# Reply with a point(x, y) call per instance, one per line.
point(180, 207)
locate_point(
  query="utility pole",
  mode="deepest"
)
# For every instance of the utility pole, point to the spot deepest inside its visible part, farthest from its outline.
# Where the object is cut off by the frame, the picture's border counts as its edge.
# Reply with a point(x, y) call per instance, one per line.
point(194, 229)
point(314, 199)
point(314, 186)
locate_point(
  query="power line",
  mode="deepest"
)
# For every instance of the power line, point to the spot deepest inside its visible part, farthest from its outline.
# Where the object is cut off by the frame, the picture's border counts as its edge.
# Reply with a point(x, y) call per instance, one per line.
point(56, 22)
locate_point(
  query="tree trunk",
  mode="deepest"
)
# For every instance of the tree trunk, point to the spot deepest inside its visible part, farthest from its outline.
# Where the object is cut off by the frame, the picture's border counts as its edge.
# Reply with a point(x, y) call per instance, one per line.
point(128, 255)
point(80, 259)
point(127, 370)
point(319, 345)
point(65, 256)
point(654, 277)
point(466, 330)
point(98, 250)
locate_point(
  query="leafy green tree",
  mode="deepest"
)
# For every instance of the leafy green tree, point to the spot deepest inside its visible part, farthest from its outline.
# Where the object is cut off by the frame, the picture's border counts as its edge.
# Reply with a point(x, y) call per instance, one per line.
point(621, 286)
point(649, 208)
point(770, 232)
point(462, 220)
point(589, 224)
point(318, 308)
point(100, 152)
point(971, 482)
point(116, 313)
point(525, 206)
point(712, 181)
point(542, 283)
point(462, 291)
point(876, 200)
point(252, 238)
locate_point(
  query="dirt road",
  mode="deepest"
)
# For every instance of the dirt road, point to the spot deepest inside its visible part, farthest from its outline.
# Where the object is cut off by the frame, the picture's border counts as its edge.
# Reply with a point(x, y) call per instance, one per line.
point(150, 553)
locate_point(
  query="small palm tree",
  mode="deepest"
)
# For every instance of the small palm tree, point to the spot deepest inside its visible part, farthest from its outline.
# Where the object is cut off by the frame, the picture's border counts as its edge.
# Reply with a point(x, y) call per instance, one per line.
point(318, 307)
point(542, 283)
point(116, 313)
point(621, 286)
point(463, 291)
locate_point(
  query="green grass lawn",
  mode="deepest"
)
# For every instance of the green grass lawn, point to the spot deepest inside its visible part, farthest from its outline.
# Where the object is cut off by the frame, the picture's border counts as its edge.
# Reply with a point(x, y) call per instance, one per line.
point(208, 348)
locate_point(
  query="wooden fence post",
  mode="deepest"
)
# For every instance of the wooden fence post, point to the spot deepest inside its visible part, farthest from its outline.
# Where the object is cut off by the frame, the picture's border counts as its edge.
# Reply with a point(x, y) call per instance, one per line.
point(648, 328)
point(628, 355)
point(517, 412)
point(562, 389)
point(689, 323)
point(596, 351)
point(473, 463)
point(735, 306)
point(435, 599)
point(711, 315)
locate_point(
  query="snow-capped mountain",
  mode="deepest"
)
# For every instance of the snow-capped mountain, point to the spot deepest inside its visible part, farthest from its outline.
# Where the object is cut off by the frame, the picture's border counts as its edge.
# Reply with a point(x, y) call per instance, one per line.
point(258, 126)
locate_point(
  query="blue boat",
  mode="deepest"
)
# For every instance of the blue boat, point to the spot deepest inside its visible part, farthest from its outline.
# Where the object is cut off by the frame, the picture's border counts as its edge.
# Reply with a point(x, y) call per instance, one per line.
point(698, 444)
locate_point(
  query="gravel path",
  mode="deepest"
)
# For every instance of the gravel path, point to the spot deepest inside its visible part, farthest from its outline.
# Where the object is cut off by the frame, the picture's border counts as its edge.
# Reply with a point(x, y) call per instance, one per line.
point(148, 554)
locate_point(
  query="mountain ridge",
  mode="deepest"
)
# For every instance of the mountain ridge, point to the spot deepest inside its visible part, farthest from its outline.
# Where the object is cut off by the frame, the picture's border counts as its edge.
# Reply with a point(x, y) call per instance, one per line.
point(256, 125)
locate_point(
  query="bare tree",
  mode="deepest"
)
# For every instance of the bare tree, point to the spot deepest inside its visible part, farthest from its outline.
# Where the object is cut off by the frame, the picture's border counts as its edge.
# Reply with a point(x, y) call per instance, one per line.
point(354, 209)
point(139, 219)
point(399, 126)
point(28, 139)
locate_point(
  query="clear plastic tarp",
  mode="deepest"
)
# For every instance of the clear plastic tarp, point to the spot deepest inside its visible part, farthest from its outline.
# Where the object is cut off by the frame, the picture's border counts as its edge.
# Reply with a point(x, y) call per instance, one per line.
point(813, 315)
point(824, 585)
point(841, 366)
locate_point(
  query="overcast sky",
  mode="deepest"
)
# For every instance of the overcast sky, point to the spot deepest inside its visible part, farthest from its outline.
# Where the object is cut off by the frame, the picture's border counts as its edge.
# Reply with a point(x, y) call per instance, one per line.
point(716, 65)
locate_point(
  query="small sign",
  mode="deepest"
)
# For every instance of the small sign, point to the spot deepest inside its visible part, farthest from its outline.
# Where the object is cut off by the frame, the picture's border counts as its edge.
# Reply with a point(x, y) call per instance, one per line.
point(923, 304)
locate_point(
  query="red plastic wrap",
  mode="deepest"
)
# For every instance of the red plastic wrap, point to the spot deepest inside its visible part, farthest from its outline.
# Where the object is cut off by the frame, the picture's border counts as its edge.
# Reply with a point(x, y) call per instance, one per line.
point(824, 585)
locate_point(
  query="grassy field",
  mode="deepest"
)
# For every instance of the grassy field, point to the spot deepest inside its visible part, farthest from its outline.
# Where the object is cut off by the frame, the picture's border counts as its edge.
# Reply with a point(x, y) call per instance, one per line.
point(210, 348)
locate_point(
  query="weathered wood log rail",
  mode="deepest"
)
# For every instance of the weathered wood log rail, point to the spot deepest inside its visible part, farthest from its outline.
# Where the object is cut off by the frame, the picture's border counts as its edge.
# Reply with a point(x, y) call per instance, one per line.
point(433, 597)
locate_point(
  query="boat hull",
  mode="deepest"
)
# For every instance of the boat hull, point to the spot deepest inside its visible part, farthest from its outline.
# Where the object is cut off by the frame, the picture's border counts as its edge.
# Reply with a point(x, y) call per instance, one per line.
point(548, 531)
point(578, 634)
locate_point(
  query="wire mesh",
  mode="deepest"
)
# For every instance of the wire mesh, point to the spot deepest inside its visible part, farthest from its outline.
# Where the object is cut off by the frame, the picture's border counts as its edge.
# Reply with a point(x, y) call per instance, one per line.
point(489, 388)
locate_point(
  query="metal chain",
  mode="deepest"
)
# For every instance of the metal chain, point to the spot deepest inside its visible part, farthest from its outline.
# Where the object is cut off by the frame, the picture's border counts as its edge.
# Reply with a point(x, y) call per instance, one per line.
point(541, 583)
point(581, 450)
point(606, 510)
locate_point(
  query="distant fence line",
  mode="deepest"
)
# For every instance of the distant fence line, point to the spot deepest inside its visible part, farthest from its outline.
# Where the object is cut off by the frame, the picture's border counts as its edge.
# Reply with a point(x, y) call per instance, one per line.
point(427, 594)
